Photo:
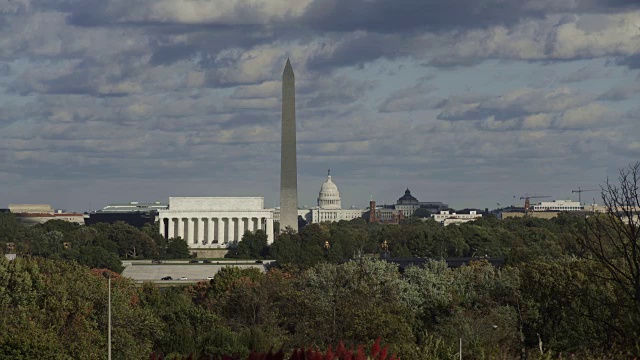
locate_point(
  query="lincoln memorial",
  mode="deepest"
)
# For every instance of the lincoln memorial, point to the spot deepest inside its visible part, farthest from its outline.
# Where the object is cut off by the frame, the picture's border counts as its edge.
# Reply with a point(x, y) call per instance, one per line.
point(214, 222)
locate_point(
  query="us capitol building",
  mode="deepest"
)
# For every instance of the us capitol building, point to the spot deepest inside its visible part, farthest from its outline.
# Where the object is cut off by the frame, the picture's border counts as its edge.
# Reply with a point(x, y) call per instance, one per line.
point(329, 206)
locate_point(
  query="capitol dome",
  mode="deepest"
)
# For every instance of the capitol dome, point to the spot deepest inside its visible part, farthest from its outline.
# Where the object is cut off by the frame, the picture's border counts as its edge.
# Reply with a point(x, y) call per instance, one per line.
point(329, 197)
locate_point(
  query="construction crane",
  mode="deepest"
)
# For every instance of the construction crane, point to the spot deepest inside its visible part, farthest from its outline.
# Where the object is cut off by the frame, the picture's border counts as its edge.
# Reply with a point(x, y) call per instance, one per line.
point(527, 203)
point(580, 191)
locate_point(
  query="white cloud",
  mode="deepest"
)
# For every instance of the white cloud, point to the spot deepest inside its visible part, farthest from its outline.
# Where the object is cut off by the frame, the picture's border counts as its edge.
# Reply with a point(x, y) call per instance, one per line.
point(412, 98)
point(588, 116)
point(621, 92)
point(552, 38)
point(224, 11)
point(511, 104)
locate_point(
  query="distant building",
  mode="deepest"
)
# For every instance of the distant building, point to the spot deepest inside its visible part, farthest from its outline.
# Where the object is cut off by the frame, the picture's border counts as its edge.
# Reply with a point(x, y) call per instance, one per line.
point(533, 214)
point(434, 206)
point(135, 206)
point(381, 214)
point(31, 208)
point(558, 205)
point(448, 218)
point(32, 214)
point(408, 204)
point(551, 209)
point(133, 213)
point(329, 206)
point(136, 219)
point(214, 222)
point(594, 208)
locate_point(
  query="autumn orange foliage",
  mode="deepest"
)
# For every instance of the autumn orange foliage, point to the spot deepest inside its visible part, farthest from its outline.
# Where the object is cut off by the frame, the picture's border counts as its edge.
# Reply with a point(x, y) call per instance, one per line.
point(340, 353)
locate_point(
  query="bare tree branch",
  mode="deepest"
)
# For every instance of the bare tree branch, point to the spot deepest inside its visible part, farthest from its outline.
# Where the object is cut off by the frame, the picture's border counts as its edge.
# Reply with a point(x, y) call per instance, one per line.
point(613, 239)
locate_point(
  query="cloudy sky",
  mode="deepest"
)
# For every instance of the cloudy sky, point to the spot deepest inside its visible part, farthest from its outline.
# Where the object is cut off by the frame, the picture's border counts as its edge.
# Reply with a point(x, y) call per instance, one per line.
point(470, 102)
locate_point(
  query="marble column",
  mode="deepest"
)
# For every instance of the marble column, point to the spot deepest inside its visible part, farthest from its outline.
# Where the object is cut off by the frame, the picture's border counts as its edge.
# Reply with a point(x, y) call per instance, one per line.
point(220, 230)
point(201, 224)
point(190, 236)
point(161, 223)
point(171, 229)
point(226, 230)
point(211, 231)
point(232, 229)
point(181, 228)
point(268, 228)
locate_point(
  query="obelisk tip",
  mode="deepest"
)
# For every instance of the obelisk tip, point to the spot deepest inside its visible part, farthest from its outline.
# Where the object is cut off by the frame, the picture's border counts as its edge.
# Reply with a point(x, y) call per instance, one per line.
point(288, 68)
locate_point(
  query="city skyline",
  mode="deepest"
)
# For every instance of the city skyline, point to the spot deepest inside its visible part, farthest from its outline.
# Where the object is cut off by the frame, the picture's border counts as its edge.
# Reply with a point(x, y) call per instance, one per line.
point(472, 104)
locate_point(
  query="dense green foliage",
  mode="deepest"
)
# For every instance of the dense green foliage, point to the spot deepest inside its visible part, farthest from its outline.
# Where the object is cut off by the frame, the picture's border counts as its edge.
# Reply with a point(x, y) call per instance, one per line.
point(96, 246)
point(516, 239)
point(252, 246)
point(57, 307)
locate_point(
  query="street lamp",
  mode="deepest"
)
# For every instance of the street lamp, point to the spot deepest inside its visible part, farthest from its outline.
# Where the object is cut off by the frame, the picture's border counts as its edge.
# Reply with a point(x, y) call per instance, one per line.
point(494, 327)
point(327, 246)
point(385, 249)
point(107, 274)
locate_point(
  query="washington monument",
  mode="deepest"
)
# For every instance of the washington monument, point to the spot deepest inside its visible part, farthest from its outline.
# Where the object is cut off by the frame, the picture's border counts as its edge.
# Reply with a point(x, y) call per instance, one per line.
point(288, 162)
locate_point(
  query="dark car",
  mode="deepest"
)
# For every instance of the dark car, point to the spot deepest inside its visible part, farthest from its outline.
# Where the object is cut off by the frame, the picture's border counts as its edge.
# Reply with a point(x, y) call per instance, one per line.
point(206, 261)
point(156, 261)
point(167, 278)
point(258, 261)
point(193, 261)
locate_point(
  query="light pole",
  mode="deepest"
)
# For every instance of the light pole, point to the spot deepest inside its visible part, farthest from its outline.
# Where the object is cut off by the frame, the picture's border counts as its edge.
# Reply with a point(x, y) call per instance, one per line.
point(385, 249)
point(494, 327)
point(327, 246)
point(108, 275)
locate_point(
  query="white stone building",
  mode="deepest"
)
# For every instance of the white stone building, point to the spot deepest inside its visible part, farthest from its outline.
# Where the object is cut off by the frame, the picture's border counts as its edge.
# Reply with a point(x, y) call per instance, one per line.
point(135, 206)
point(558, 205)
point(214, 222)
point(448, 218)
point(32, 214)
point(329, 206)
point(407, 204)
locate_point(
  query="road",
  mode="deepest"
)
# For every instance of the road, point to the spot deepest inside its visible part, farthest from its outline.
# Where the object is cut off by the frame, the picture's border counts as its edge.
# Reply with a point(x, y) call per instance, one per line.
point(144, 270)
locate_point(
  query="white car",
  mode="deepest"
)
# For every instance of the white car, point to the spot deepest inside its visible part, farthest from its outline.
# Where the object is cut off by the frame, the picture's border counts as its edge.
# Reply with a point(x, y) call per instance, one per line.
point(209, 277)
point(183, 278)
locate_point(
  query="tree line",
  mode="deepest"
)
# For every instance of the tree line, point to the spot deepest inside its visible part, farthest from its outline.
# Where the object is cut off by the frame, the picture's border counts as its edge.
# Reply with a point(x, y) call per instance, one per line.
point(58, 309)
point(98, 246)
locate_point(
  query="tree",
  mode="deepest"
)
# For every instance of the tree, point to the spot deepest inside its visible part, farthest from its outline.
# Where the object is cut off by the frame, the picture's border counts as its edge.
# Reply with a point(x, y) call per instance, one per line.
point(132, 243)
point(58, 225)
point(612, 239)
point(94, 257)
point(422, 213)
point(153, 231)
point(227, 277)
point(562, 306)
point(186, 328)
point(252, 245)
point(13, 232)
point(357, 301)
point(58, 310)
point(286, 248)
point(176, 249)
